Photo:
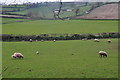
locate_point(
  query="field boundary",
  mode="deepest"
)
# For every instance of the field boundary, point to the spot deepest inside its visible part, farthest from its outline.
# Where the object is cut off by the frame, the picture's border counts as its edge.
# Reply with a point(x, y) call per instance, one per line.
point(49, 37)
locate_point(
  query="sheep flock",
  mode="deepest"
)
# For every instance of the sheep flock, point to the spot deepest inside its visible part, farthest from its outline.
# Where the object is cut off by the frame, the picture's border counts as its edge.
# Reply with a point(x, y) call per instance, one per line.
point(18, 55)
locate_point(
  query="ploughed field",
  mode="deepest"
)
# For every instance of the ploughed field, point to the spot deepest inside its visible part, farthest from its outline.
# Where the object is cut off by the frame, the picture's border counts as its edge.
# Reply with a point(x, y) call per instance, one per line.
point(109, 11)
point(60, 59)
point(60, 27)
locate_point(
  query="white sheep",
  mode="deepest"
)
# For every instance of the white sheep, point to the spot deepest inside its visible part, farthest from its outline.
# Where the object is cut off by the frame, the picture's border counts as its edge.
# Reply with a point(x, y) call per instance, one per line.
point(102, 54)
point(17, 55)
point(23, 40)
point(84, 39)
point(37, 52)
point(54, 40)
point(30, 40)
point(42, 40)
point(109, 41)
point(96, 40)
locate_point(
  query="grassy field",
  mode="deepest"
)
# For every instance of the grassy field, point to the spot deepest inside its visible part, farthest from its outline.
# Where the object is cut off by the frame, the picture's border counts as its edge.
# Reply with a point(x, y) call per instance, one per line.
point(60, 59)
point(59, 26)
point(12, 7)
point(47, 11)
point(11, 20)
point(56, 60)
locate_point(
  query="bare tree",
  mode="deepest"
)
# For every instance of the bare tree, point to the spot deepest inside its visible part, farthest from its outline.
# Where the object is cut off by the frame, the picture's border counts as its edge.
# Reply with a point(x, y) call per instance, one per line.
point(59, 11)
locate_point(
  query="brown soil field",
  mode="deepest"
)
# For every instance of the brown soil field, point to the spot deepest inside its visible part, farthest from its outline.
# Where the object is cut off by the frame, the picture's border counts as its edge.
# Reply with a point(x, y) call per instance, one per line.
point(109, 11)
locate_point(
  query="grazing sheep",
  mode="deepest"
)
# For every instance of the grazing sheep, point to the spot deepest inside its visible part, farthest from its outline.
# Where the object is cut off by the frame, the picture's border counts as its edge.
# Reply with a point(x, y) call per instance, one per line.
point(84, 39)
point(96, 40)
point(109, 41)
point(37, 52)
point(42, 40)
point(102, 54)
point(23, 40)
point(30, 40)
point(54, 40)
point(17, 55)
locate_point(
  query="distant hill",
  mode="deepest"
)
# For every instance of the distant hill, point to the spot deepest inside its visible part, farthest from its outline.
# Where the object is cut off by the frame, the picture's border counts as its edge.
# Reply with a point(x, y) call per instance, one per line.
point(47, 11)
point(108, 11)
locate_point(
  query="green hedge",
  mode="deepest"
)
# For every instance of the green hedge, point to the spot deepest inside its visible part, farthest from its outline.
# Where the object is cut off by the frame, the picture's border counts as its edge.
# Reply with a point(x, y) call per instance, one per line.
point(48, 37)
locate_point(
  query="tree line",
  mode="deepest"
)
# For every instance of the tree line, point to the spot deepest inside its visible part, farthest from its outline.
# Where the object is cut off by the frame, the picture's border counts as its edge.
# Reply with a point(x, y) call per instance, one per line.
point(49, 37)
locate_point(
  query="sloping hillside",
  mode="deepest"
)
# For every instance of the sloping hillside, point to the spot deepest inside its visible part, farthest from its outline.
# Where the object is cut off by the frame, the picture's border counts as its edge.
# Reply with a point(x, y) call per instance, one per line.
point(47, 11)
point(109, 11)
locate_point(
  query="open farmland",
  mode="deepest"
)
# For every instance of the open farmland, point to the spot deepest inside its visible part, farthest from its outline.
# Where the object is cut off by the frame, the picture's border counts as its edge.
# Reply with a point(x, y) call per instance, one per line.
point(61, 27)
point(12, 20)
point(56, 60)
point(55, 48)
point(46, 11)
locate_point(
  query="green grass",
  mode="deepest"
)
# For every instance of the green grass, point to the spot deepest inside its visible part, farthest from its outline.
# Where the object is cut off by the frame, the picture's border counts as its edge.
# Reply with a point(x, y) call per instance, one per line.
point(8, 9)
point(8, 20)
point(12, 7)
point(61, 27)
point(13, 20)
point(55, 59)
point(20, 12)
point(84, 9)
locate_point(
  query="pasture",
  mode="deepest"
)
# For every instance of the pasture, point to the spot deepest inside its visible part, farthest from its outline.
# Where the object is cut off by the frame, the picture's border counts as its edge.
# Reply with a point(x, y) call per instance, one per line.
point(47, 11)
point(61, 59)
point(60, 27)
point(12, 20)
